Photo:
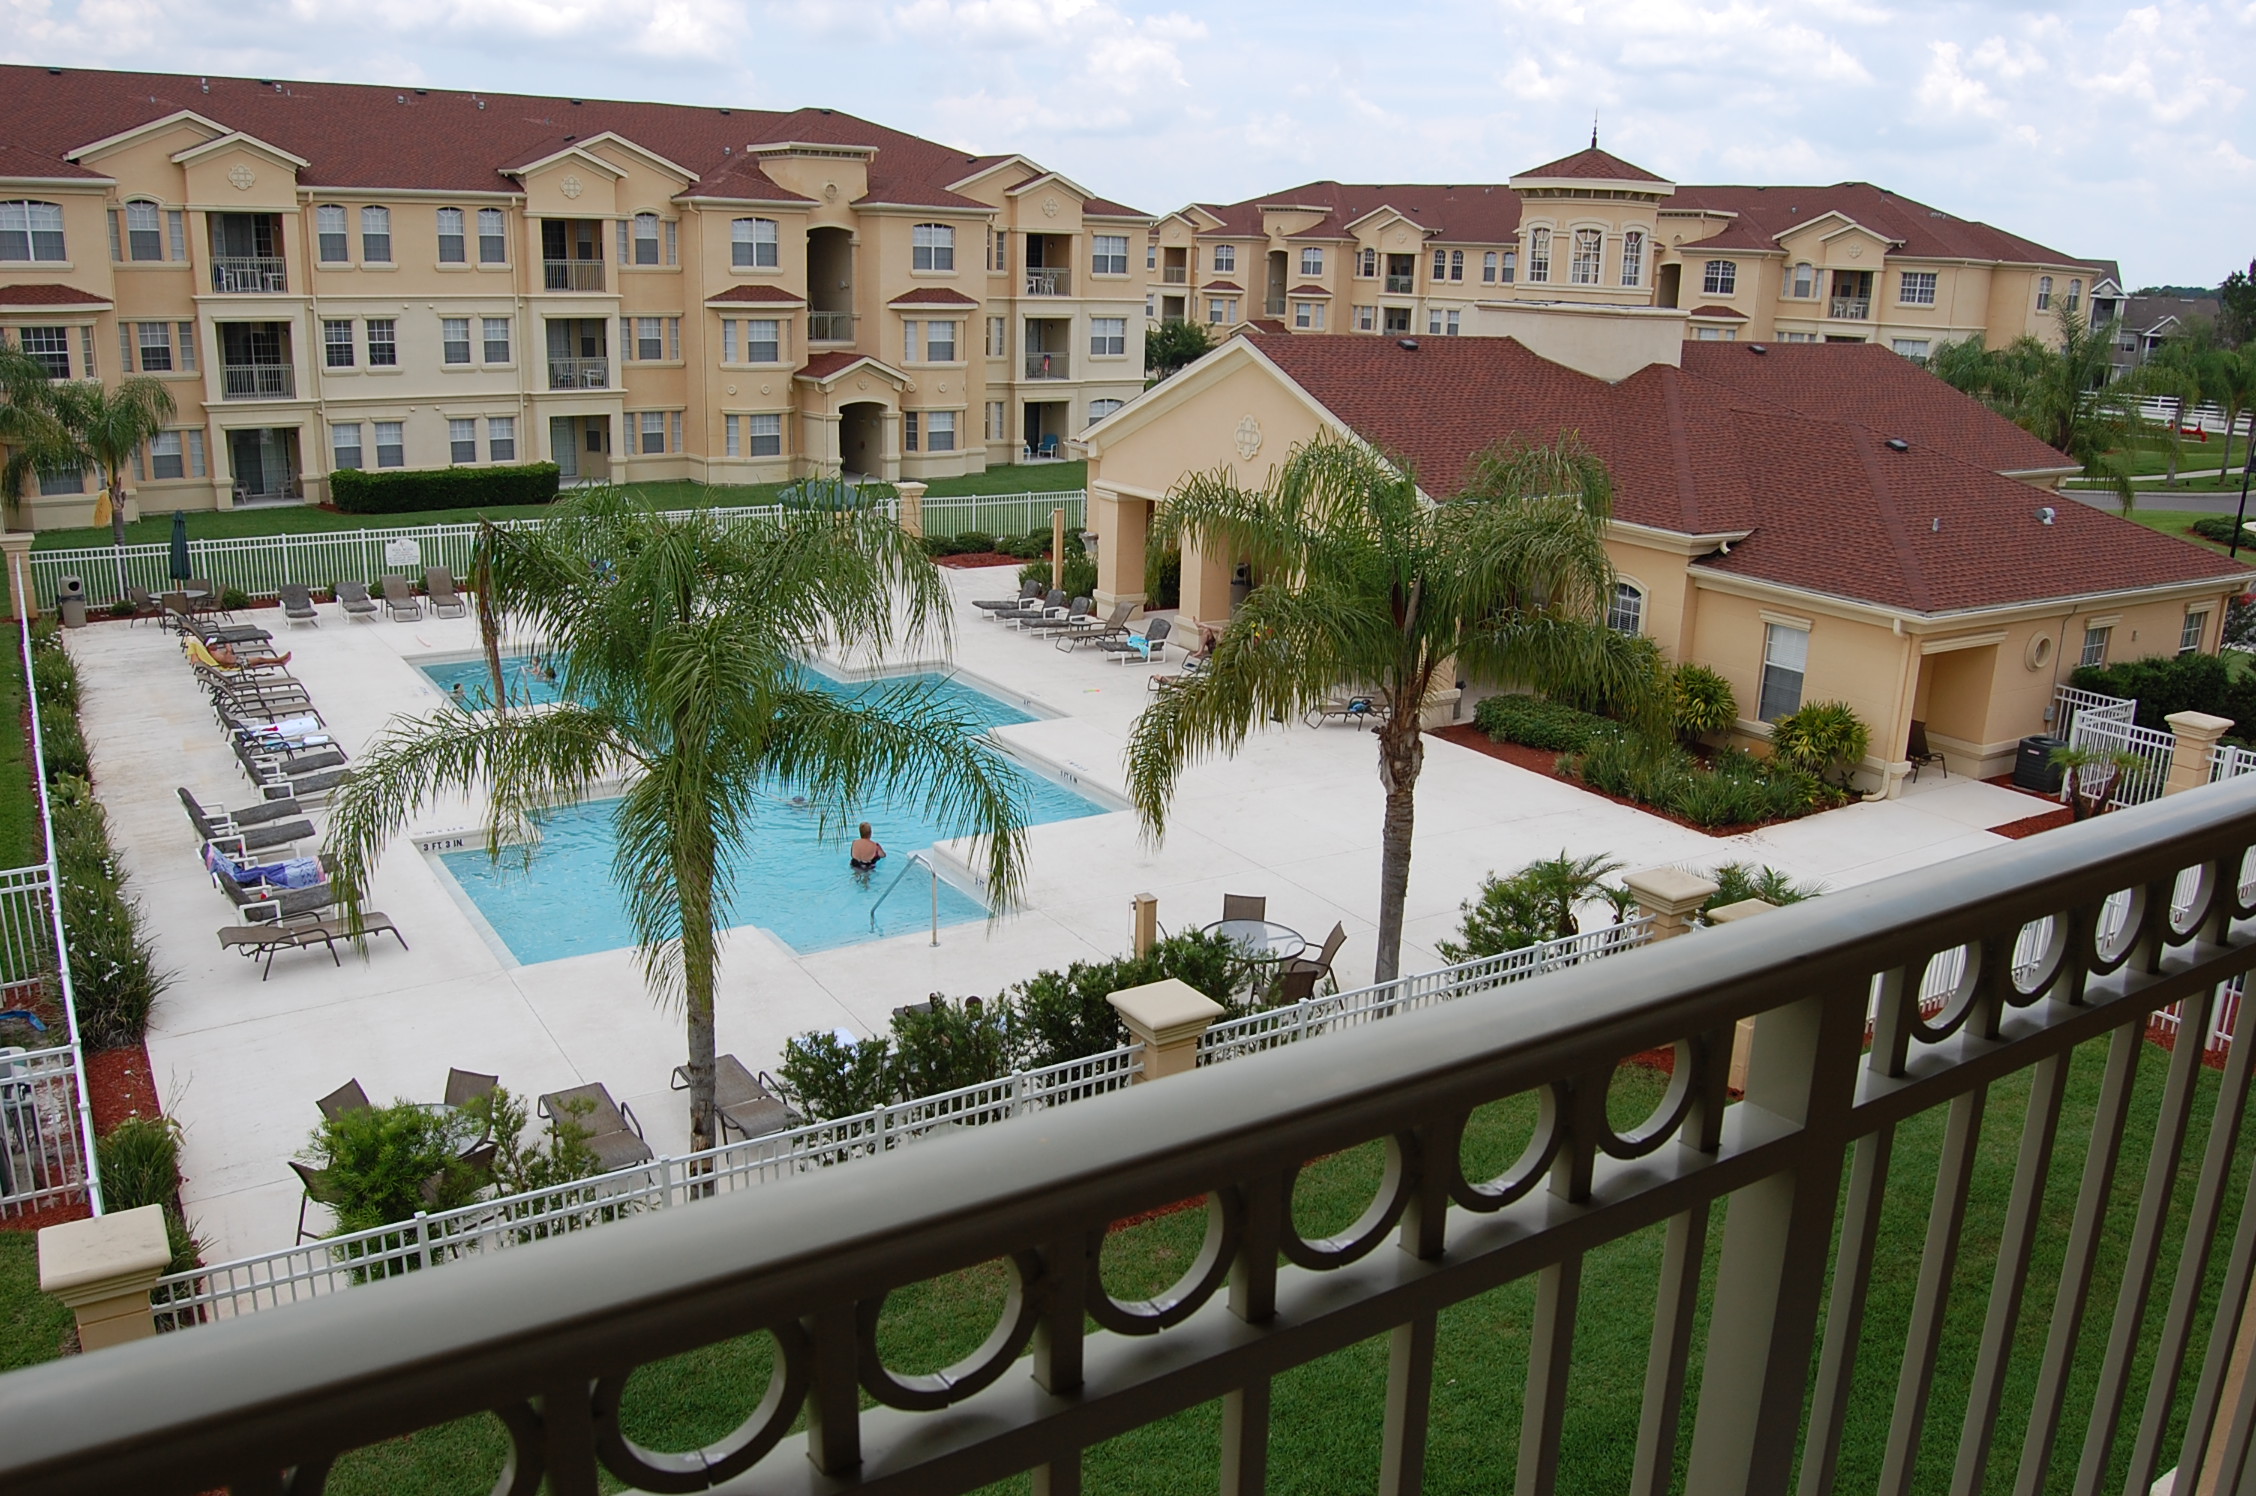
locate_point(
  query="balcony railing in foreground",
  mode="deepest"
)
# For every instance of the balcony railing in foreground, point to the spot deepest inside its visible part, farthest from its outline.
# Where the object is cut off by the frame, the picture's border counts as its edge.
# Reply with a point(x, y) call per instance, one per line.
point(2136, 1325)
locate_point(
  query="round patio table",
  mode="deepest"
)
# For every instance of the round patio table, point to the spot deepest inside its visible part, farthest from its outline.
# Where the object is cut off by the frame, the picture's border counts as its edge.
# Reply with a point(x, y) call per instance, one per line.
point(1261, 939)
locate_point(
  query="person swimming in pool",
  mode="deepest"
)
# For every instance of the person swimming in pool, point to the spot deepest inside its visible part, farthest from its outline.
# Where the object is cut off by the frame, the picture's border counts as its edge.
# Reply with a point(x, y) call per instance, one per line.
point(865, 852)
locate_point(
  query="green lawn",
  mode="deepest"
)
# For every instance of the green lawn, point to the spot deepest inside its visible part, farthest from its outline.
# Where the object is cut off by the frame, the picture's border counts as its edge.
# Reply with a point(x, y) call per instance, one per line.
point(1327, 1415)
point(32, 1325)
point(2179, 522)
point(20, 840)
point(227, 524)
point(2193, 456)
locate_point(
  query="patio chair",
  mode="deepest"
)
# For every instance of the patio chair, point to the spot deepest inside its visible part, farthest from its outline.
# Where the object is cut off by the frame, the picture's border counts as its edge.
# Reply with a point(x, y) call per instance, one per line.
point(320, 1189)
point(1027, 593)
point(257, 831)
point(1320, 964)
point(614, 1133)
point(1245, 906)
point(1036, 608)
point(1048, 447)
point(1919, 753)
point(209, 602)
point(347, 1098)
point(1295, 985)
point(400, 601)
point(748, 1103)
point(466, 1086)
point(1075, 617)
point(259, 902)
point(353, 598)
point(1145, 646)
point(297, 604)
point(1090, 630)
point(269, 940)
point(145, 605)
point(446, 602)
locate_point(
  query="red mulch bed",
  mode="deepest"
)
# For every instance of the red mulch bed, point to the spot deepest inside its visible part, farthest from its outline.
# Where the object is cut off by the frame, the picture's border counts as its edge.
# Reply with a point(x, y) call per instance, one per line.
point(119, 1086)
point(1545, 761)
point(974, 559)
point(2031, 825)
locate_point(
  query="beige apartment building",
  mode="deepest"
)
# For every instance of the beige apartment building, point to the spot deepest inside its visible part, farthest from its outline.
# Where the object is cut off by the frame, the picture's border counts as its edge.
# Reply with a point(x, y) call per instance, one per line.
point(335, 276)
point(1848, 263)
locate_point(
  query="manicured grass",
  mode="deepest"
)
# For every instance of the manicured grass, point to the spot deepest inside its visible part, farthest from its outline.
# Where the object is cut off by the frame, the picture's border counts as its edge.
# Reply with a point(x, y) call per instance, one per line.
point(1044, 477)
point(32, 1325)
point(1328, 1415)
point(20, 840)
point(2178, 523)
point(2194, 456)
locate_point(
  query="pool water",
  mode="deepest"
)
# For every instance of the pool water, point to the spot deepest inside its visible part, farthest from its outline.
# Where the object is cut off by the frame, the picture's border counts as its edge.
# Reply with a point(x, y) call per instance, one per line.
point(795, 883)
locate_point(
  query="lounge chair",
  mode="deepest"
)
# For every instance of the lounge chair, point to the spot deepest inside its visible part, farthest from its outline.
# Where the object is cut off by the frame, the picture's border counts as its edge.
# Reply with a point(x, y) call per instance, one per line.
point(353, 598)
point(1245, 906)
point(1074, 617)
point(263, 761)
point(259, 902)
point(297, 603)
point(254, 941)
point(260, 829)
point(1150, 644)
point(1919, 753)
point(1035, 608)
point(400, 601)
point(748, 1103)
point(445, 601)
point(1089, 630)
point(320, 1189)
point(466, 1086)
point(346, 1099)
point(1358, 709)
point(181, 616)
point(1027, 593)
point(614, 1133)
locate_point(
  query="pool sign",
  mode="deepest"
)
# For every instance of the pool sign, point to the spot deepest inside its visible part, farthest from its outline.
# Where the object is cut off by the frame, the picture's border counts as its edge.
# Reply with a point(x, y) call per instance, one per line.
point(403, 553)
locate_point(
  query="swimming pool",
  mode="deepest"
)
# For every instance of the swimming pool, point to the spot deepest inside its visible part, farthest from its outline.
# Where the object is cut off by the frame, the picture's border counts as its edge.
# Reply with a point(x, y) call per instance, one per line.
point(796, 883)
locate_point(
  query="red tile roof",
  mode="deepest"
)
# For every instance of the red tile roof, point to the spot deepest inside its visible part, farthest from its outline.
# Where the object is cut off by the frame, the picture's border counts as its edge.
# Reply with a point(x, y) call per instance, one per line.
point(775, 295)
point(49, 296)
point(1308, 290)
point(1593, 165)
point(1878, 388)
point(932, 296)
point(1472, 215)
point(1717, 311)
point(366, 137)
point(1223, 286)
point(830, 365)
point(1766, 212)
point(1826, 506)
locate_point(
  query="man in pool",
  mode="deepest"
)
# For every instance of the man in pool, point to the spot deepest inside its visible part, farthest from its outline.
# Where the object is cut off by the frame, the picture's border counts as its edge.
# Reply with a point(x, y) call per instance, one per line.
point(865, 852)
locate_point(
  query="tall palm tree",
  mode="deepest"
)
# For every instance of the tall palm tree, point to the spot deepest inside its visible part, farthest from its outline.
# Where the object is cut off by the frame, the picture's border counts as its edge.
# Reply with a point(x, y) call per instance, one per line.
point(1372, 586)
point(69, 425)
point(2059, 394)
point(677, 643)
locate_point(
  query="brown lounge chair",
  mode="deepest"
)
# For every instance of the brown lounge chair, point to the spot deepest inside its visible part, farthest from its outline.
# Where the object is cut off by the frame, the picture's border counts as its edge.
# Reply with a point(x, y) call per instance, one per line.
point(400, 601)
point(748, 1103)
point(298, 934)
point(353, 599)
point(614, 1132)
point(320, 1189)
point(347, 1098)
point(446, 602)
point(466, 1086)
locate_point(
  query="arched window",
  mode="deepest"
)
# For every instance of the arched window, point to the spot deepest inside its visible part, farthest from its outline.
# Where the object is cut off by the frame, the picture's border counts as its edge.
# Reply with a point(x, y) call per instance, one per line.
point(934, 247)
point(144, 231)
point(646, 239)
point(752, 244)
point(2075, 294)
point(1625, 612)
point(1511, 266)
point(2044, 293)
point(1633, 258)
point(1539, 256)
point(1099, 409)
point(1456, 264)
point(454, 244)
point(1441, 265)
point(31, 231)
point(1589, 249)
point(1488, 267)
point(1805, 280)
point(329, 234)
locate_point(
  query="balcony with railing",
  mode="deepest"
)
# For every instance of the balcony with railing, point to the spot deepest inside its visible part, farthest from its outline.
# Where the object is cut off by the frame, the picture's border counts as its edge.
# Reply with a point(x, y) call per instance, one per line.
point(1850, 308)
point(257, 382)
point(830, 327)
point(1043, 364)
point(579, 373)
point(234, 275)
point(1175, 275)
point(1887, 1181)
point(1401, 285)
point(572, 275)
point(1049, 280)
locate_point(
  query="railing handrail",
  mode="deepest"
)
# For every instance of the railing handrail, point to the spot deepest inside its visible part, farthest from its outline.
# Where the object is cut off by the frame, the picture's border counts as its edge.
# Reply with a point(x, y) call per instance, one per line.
point(189, 1412)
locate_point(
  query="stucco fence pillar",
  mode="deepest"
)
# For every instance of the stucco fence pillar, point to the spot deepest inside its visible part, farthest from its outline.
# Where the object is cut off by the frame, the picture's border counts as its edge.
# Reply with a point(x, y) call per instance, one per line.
point(1743, 1033)
point(912, 506)
point(103, 1268)
point(1122, 525)
point(1166, 1019)
point(15, 548)
point(2196, 750)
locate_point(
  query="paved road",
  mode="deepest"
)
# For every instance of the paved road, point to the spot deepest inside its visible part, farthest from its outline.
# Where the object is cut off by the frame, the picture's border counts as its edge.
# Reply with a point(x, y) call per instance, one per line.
point(2150, 498)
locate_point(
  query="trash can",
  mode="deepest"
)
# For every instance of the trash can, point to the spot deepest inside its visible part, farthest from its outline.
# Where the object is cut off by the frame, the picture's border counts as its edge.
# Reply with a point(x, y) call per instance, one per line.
point(2033, 768)
point(70, 601)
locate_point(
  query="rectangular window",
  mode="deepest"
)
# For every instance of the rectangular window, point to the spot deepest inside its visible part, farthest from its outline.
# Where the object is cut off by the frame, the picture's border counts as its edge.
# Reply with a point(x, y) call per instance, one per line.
point(674, 424)
point(493, 237)
point(454, 248)
point(646, 239)
point(673, 241)
point(144, 231)
point(764, 435)
point(1309, 314)
point(908, 431)
point(1433, 321)
point(1798, 337)
point(188, 347)
point(376, 235)
point(2189, 637)
point(383, 343)
point(1366, 319)
point(1918, 288)
point(391, 444)
point(1450, 327)
point(1151, 306)
point(909, 342)
point(1108, 254)
point(155, 347)
point(728, 340)
point(995, 420)
point(1108, 337)
point(501, 439)
point(176, 239)
point(673, 338)
point(1311, 261)
point(67, 480)
point(1222, 310)
point(653, 432)
point(998, 333)
point(650, 339)
point(940, 342)
point(49, 348)
point(462, 441)
point(1785, 661)
point(496, 331)
point(1151, 255)
point(1720, 278)
point(195, 454)
point(1914, 349)
point(940, 431)
point(626, 242)
point(763, 341)
point(31, 231)
point(1226, 258)
point(752, 244)
point(329, 235)
point(934, 247)
point(731, 436)
point(454, 340)
point(168, 458)
point(337, 344)
point(86, 350)
point(2095, 647)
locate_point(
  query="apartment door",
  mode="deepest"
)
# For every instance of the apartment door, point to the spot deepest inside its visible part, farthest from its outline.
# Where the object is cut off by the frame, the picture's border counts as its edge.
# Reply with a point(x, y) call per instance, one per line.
point(1671, 286)
point(264, 460)
point(1275, 303)
point(861, 439)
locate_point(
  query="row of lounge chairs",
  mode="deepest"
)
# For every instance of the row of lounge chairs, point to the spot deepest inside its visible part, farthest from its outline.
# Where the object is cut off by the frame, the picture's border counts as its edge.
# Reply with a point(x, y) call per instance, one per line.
point(1071, 625)
point(192, 609)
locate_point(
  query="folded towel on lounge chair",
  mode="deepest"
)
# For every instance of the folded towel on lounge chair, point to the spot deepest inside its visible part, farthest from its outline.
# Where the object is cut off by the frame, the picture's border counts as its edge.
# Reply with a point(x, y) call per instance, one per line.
point(297, 872)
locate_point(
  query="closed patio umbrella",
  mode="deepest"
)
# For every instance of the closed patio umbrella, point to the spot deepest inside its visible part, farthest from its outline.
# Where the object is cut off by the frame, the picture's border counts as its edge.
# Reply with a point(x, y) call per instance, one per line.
point(181, 570)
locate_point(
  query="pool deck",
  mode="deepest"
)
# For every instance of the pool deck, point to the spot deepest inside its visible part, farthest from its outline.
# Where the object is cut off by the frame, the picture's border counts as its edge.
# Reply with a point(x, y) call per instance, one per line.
point(1295, 816)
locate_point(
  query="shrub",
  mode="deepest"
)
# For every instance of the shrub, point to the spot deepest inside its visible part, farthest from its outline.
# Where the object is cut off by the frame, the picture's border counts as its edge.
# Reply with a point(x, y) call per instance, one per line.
point(234, 600)
point(357, 491)
point(122, 608)
point(1535, 904)
point(827, 1077)
point(385, 1163)
point(1735, 789)
point(139, 1164)
point(972, 542)
point(2175, 683)
point(1031, 546)
point(519, 1166)
point(1704, 703)
point(1737, 882)
point(54, 676)
point(2219, 527)
point(942, 1046)
point(1080, 575)
point(1824, 738)
point(1537, 723)
point(64, 745)
point(114, 974)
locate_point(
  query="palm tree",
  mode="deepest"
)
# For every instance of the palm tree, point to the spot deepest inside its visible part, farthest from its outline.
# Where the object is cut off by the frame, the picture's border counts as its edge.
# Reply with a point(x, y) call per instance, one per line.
point(1372, 586)
point(69, 425)
point(677, 644)
point(2060, 395)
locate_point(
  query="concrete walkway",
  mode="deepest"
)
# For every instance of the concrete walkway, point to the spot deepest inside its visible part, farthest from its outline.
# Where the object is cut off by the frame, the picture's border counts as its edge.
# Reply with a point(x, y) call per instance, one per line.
point(1294, 817)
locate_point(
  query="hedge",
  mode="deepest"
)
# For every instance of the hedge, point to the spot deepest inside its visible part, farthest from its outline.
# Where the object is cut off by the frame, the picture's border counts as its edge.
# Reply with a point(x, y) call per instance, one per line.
point(1536, 723)
point(2164, 684)
point(357, 491)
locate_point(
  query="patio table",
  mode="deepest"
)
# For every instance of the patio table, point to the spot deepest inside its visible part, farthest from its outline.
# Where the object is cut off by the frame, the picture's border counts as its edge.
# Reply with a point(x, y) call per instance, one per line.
point(1261, 939)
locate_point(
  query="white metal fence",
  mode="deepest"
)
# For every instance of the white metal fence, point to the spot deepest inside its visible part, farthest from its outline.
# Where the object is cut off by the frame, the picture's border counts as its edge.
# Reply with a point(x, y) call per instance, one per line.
point(1002, 514)
point(2231, 762)
point(43, 1146)
point(2067, 702)
point(2109, 729)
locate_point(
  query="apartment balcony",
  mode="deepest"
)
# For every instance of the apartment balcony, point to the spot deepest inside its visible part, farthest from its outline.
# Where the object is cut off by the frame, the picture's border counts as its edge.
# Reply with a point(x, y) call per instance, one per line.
point(2018, 1290)
point(1401, 285)
point(1049, 280)
point(257, 382)
point(243, 274)
point(572, 275)
point(1175, 275)
point(1850, 308)
point(830, 327)
point(1041, 365)
point(579, 373)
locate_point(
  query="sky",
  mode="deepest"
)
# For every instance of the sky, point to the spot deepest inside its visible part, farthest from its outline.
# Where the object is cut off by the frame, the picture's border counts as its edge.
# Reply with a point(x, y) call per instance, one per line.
point(2102, 130)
